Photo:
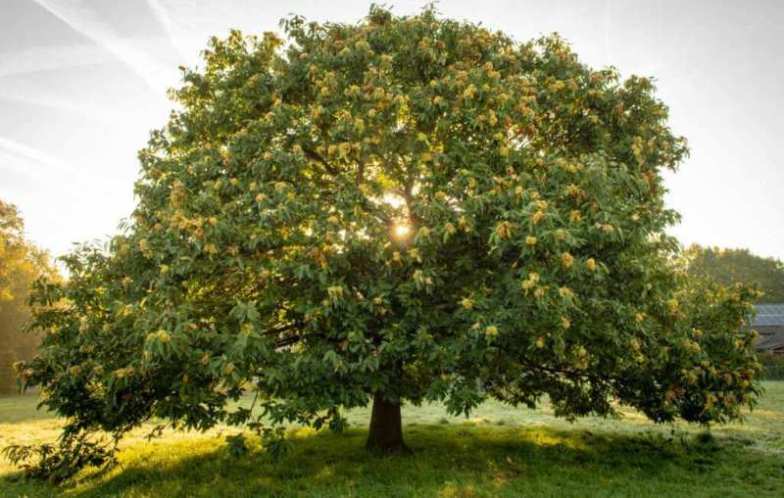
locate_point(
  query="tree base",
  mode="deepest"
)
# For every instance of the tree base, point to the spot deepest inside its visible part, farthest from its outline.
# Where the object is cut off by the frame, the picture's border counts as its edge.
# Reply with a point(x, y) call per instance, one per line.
point(400, 449)
point(385, 436)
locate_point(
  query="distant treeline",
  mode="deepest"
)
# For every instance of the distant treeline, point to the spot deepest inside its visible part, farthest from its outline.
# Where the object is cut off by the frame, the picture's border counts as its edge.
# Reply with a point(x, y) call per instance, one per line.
point(730, 266)
point(773, 366)
point(21, 263)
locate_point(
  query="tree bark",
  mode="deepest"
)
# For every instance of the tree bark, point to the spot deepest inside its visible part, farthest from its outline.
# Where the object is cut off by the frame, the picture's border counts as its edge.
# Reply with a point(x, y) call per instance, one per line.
point(386, 429)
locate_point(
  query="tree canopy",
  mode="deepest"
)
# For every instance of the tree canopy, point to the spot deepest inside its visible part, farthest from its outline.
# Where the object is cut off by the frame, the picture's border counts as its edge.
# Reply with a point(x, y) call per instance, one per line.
point(731, 266)
point(405, 209)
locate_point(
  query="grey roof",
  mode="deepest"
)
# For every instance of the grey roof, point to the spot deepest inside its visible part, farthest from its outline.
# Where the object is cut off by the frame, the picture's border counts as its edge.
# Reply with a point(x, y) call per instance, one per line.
point(769, 315)
point(769, 309)
point(768, 320)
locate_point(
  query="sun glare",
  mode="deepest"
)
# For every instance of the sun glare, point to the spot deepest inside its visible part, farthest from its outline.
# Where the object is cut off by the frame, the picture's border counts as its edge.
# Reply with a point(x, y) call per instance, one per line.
point(394, 200)
point(401, 230)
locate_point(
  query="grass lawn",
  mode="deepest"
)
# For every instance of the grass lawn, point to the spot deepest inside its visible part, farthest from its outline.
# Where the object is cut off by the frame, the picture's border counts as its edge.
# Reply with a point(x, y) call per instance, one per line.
point(499, 451)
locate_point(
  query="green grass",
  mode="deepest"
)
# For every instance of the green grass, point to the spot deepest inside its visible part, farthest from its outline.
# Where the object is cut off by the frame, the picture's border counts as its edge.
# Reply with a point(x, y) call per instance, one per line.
point(499, 451)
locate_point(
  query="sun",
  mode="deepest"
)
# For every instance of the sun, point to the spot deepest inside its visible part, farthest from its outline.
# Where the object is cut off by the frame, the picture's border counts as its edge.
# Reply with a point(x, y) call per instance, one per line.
point(401, 230)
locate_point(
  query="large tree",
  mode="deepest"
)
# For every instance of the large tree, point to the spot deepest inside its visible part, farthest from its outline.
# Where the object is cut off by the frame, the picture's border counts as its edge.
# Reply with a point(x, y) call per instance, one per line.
point(730, 266)
point(406, 209)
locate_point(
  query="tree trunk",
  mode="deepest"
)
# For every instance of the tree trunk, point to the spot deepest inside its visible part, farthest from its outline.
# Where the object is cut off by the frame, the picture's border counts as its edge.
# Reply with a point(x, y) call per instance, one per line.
point(386, 429)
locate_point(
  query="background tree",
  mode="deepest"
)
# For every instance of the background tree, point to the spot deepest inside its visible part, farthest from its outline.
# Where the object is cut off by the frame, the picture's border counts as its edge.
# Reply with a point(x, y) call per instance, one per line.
point(731, 266)
point(406, 209)
point(20, 264)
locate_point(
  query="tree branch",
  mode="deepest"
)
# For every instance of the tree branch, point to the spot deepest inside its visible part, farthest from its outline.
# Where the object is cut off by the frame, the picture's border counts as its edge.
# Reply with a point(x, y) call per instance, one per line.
point(315, 156)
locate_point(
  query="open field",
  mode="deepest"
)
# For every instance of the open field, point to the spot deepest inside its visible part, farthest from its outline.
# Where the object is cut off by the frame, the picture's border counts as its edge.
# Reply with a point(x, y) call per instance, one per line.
point(499, 451)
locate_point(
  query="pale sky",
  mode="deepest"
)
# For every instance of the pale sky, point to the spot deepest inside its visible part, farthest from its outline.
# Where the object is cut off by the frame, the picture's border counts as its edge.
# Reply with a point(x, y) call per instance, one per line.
point(82, 82)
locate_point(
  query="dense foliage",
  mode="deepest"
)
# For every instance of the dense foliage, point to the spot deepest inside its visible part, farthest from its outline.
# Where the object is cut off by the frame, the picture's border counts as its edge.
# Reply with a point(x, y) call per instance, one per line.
point(731, 266)
point(20, 264)
point(404, 209)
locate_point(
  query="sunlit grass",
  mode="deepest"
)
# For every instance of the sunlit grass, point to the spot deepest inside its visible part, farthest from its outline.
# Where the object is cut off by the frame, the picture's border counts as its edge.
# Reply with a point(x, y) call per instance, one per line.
point(498, 451)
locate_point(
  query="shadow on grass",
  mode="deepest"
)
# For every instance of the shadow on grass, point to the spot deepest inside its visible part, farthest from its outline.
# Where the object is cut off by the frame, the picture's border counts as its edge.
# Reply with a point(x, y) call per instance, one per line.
point(450, 460)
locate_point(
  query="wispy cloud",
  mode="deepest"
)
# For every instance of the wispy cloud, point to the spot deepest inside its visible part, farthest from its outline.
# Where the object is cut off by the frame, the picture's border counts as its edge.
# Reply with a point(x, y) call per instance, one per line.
point(48, 170)
point(37, 157)
point(47, 58)
point(82, 109)
point(161, 14)
point(79, 16)
point(9, 164)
